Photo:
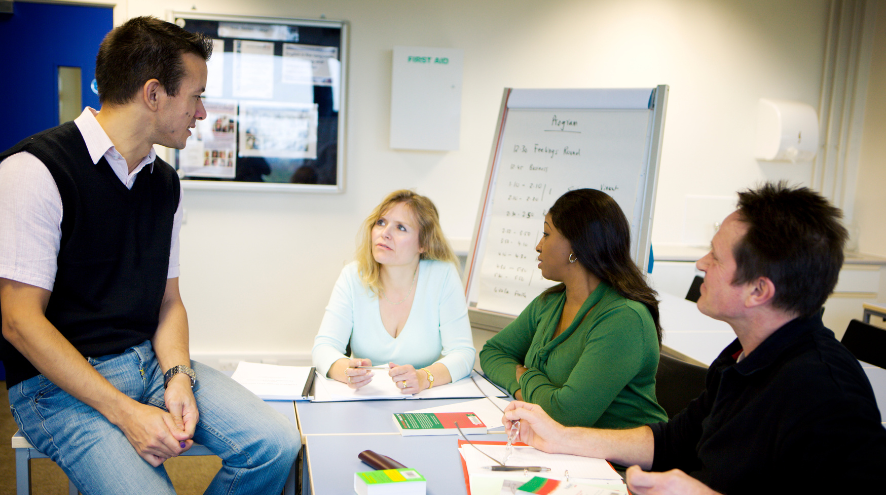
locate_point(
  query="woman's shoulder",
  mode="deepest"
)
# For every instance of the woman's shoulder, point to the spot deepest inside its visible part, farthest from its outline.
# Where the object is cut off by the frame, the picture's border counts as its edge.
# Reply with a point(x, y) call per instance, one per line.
point(437, 268)
point(350, 277)
point(352, 269)
point(616, 304)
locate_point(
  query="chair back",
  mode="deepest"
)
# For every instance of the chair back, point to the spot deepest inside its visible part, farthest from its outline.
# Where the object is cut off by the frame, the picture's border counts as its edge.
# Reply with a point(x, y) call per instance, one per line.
point(695, 289)
point(677, 383)
point(866, 342)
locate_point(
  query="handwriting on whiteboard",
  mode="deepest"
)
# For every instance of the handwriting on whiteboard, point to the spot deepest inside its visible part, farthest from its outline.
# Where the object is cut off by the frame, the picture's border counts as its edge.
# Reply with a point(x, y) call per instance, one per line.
point(543, 154)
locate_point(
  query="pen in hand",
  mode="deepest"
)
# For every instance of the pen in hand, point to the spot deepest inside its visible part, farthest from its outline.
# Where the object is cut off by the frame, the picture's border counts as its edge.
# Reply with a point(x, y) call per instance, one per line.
point(370, 367)
point(532, 469)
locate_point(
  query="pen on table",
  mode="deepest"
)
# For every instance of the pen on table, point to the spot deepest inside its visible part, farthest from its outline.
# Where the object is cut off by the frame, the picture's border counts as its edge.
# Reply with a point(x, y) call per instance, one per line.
point(531, 469)
point(309, 383)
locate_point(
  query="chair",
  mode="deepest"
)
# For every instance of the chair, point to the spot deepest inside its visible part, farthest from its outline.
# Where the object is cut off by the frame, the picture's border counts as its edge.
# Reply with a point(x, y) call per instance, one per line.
point(695, 289)
point(677, 383)
point(866, 342)
point(24, 452)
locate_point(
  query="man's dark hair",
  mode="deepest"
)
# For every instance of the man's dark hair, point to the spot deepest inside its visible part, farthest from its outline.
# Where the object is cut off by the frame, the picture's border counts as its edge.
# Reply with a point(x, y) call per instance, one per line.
point(795, 239)
point(142, 49)
point(600, 237)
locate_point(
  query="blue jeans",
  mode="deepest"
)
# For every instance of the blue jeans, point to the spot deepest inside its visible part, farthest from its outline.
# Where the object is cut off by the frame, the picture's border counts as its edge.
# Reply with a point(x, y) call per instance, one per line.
point(257, 445)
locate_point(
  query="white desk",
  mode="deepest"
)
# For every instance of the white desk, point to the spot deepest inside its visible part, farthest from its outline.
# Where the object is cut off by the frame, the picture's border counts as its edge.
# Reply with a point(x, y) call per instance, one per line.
point(333, 460)
point(333, 433)
point(370, 417)
point(871, 309)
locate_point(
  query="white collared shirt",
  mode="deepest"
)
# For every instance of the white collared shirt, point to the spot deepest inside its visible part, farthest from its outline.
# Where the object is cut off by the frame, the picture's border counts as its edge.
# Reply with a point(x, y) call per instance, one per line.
point(31, 208)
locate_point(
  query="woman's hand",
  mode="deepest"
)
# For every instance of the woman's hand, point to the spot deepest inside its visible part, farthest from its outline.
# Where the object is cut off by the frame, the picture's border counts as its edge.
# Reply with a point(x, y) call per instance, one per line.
point(355, 377)
point(408, 380)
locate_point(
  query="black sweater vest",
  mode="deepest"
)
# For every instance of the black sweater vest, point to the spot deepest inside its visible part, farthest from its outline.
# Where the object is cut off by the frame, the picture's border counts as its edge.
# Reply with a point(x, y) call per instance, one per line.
point(114, 253)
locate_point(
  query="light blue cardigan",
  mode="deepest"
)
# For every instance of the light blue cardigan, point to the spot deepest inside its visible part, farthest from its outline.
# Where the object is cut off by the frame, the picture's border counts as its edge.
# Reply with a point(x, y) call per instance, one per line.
point(437, 324)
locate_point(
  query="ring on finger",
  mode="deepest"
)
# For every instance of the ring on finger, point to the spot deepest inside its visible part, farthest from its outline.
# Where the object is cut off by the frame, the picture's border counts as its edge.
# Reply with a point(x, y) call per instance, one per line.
point(404, 383)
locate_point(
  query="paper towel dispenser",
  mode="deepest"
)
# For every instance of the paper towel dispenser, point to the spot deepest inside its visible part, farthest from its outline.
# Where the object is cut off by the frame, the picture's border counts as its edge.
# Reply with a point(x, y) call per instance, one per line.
point(786, 131)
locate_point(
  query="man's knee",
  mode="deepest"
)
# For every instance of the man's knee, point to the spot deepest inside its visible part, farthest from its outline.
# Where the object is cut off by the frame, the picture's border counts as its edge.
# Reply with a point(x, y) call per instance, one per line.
point(281, 445)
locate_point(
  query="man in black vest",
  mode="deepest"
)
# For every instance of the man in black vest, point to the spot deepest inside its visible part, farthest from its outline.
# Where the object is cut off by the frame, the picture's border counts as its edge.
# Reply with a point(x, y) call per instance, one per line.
point(786, 408)
point(95, 334)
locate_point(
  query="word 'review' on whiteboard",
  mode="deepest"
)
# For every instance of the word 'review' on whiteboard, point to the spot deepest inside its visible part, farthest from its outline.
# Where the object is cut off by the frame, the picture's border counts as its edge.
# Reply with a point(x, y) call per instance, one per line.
point(543, 154)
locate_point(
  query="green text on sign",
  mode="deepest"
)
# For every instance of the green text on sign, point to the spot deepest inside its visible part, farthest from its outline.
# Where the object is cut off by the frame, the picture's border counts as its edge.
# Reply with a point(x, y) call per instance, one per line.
point(428, 60)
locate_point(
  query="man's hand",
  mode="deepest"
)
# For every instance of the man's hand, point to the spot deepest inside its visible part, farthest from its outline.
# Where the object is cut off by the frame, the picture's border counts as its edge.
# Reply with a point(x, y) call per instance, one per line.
point(180, 403)
point(536, 427)
point(153, 433)
point(674, 482)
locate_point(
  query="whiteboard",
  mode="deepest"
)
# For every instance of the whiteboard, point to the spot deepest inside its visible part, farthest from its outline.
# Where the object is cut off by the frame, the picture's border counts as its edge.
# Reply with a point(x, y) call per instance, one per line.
point(547, 143)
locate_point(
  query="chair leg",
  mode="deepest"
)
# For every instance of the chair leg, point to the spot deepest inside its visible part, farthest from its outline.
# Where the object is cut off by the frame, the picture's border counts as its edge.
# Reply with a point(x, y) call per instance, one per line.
point(22, 472)
point(305, 472)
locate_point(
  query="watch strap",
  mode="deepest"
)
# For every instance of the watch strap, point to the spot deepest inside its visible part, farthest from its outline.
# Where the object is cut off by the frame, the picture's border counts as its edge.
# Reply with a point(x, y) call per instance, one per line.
point(171, 372)
point(430, 378)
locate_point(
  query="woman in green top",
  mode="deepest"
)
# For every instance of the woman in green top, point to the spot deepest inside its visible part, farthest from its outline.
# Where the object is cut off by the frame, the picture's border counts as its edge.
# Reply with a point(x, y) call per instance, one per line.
point(585, 350)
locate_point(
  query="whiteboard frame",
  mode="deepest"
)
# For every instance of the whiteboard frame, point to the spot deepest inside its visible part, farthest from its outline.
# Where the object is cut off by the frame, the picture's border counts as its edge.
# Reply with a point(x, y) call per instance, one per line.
point(656, 100)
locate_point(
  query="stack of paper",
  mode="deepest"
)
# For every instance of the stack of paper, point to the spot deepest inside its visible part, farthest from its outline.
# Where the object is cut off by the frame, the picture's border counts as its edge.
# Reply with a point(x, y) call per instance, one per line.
point(382, 387)
point(586, 470)
point(272, 382)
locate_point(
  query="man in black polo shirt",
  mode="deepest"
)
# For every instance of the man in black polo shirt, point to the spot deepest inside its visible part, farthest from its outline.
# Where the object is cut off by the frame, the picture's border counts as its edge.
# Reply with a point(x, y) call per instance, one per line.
point(95, 334)
point(786, 409)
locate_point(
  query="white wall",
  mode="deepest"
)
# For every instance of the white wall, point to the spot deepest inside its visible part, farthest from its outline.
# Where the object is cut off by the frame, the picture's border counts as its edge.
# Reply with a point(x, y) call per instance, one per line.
point(870, 205)
point(257, 268)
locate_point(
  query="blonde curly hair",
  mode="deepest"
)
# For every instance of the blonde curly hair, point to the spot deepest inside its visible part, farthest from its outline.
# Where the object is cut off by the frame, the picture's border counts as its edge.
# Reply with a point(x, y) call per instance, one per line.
point(430, 235)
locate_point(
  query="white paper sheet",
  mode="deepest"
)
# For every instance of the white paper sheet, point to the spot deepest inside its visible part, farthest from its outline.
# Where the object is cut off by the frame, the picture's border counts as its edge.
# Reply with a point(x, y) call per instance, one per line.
point(272, 382)
point(483, 408)
point(382, 388)
point(581, 469)
point(253, 69)
point(496, 486)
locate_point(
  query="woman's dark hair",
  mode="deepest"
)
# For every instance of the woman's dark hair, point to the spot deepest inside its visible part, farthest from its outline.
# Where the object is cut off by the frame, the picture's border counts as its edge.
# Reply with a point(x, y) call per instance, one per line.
point(600, 236)
point(142, 49)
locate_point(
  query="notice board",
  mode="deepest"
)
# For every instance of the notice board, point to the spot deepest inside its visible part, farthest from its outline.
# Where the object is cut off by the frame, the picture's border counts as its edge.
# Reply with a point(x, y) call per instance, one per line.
point(548, 142)
point(275, 105)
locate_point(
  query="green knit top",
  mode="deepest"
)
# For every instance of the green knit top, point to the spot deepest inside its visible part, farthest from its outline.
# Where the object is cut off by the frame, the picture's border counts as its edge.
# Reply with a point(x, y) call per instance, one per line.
point(599, 372)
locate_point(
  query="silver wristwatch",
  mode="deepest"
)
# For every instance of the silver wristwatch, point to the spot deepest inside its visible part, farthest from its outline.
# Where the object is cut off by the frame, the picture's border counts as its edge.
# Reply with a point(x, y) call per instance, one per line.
point(179, 369)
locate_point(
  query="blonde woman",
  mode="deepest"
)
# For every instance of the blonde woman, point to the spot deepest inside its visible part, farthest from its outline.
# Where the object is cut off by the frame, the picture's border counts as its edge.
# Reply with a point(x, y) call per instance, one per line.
point(401, 303)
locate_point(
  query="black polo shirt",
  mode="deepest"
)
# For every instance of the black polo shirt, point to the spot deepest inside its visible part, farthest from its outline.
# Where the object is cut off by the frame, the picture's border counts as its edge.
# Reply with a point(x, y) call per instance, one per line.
point(797, 415)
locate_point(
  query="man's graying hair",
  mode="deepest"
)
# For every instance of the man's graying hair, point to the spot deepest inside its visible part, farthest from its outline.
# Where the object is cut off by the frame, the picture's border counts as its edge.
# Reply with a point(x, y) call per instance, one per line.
point(795, 238)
